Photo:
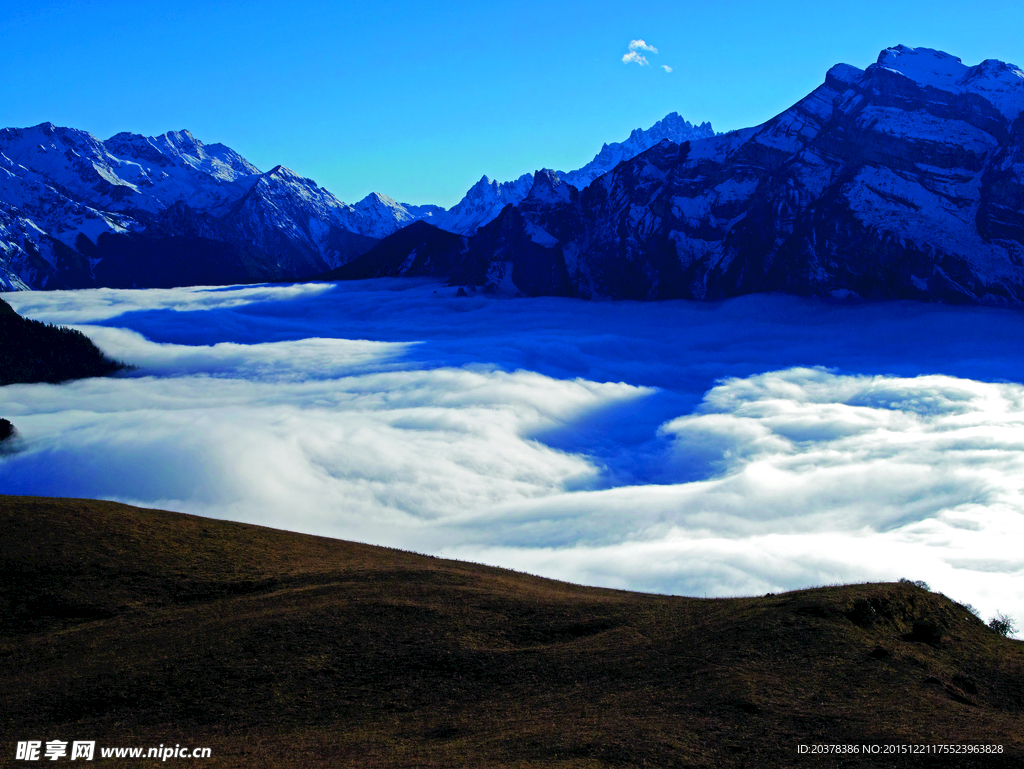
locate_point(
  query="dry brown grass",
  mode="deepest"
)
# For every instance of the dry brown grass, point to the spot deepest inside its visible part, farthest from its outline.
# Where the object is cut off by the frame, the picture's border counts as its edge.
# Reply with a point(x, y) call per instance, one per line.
point(141, 627)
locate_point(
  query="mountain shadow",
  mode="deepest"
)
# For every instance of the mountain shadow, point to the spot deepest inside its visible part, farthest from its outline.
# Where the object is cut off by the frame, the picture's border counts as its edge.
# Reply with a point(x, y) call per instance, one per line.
point(416, 250)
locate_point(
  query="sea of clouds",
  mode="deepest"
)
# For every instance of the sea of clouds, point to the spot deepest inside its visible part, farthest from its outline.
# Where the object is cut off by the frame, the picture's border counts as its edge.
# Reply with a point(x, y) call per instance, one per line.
point(756, 445)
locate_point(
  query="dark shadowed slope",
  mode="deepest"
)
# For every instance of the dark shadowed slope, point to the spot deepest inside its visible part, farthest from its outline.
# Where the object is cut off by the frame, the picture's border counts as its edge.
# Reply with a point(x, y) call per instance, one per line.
point(31, 351)
point(417, 250)
point(142, 627)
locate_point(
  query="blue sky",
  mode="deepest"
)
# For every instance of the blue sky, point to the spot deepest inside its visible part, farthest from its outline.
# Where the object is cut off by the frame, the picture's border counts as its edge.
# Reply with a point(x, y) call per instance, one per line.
point(418, 100)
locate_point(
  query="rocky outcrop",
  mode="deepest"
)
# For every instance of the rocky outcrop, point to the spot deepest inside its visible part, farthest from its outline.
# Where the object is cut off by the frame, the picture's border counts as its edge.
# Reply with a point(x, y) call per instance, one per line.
point(482, 203)
point(7, 432)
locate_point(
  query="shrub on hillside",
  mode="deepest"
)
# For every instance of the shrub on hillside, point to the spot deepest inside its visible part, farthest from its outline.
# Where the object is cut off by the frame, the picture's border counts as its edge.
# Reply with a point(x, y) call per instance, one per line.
point(918, 582)
point(1002, 624)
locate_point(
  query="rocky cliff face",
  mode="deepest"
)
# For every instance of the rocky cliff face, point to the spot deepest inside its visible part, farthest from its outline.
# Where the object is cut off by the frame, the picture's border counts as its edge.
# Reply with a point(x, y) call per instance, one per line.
point(904, 180)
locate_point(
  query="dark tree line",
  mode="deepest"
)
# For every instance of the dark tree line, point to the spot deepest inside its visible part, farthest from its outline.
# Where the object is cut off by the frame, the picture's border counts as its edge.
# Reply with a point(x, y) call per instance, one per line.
point(32, 351)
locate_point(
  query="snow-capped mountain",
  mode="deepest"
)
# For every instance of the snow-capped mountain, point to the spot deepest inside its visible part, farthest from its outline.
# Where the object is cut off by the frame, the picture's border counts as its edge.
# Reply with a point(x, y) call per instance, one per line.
point(130, 172)
point(486, 198)
point(904, 180)
point(170, 210)
point(377, 215)
point(157, 211)
point(482, 203)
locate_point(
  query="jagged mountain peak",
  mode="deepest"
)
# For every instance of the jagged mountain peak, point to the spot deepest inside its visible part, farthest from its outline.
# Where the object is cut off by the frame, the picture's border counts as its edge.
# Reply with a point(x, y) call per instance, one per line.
point(672, 127)
point(488, 187)
point(157, 211)
point(182, 142)
point(47, 135)
point(668, 126)
point(284, 173)
point(549, 189)
point(377, 199)
point(487, 197)
point(478, 190)
point(181, 148)
point(378, 215)
point(47, 130)
point(184, 136)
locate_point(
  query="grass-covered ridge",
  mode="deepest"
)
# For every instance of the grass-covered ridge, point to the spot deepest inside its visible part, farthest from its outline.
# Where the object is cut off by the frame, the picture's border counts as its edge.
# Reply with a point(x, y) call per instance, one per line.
point(32, 351)
point(134, 626)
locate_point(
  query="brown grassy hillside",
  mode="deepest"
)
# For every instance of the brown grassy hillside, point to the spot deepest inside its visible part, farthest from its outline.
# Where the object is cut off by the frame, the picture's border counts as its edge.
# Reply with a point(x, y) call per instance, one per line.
point(142, 627)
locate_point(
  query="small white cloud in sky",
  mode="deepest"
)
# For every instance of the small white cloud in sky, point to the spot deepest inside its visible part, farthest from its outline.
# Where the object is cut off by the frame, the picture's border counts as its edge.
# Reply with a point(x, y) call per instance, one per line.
point(638, 58)
point(633, 56)
point(640, 45)
point(666, 67)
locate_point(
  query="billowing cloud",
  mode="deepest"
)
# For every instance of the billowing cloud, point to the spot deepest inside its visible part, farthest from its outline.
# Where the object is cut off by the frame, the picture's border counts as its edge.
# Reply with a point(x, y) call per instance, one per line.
point(810, 477)
point(666, 67)
point(756, 445)
point(634, 56)
point(88, 305)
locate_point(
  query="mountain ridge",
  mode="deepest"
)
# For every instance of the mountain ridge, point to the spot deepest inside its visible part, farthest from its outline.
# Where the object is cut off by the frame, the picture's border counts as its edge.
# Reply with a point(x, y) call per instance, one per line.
point(903, 180)
point(171, 210)
point(873, 186)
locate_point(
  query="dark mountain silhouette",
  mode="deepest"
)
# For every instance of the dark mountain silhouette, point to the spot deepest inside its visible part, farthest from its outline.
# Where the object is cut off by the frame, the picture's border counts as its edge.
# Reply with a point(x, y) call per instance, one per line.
point(32, 351)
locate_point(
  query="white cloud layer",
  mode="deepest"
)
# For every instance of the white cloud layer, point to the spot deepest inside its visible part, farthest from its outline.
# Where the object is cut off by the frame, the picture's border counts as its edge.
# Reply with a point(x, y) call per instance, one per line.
point(668, 447)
